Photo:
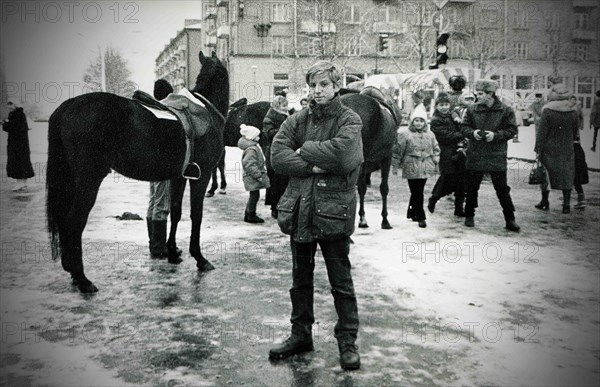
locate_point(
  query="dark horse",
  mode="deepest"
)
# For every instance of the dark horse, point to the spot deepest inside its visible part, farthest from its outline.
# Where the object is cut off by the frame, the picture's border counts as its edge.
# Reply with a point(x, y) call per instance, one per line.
point(378, 135)
point(92, 133)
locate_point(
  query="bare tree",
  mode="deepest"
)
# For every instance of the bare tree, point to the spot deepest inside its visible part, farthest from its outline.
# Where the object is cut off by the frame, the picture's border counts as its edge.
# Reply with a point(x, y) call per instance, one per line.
point(117, 74)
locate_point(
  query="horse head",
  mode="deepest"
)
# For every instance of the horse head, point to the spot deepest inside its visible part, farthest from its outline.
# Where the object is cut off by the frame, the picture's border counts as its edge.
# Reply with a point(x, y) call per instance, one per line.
point(213, 82)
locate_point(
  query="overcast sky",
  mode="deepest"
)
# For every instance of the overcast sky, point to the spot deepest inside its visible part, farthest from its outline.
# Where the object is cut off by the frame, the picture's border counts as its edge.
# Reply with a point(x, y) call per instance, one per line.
point(49, 44)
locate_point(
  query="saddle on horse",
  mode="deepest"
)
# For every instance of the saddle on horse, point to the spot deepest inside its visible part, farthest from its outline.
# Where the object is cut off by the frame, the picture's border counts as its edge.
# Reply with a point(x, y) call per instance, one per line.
point(192, 111)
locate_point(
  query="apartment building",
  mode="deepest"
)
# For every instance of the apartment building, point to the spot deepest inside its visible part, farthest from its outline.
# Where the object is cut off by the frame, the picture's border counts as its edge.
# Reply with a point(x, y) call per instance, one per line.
point(526, 46)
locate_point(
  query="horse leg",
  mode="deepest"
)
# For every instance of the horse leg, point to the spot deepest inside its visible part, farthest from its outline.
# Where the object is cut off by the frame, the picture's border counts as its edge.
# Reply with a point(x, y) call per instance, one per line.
point(177, 190)
point(198, 187)
point(214, 185)
point(74, 224)
point(385, 189)
point(222, 171)
point(362, 190)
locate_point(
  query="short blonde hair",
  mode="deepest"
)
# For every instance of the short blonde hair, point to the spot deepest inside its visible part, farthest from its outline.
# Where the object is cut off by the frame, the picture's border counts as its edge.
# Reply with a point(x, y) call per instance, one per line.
point(324, 66)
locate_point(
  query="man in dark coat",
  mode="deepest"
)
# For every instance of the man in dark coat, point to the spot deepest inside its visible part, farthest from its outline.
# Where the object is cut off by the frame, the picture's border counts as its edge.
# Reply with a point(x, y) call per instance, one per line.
point(18, 165)
point(489, 125)
point(320, 149)
point(595, 119)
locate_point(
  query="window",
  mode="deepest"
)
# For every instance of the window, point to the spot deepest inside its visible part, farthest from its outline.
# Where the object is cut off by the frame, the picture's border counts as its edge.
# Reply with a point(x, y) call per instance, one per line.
point(552, 21)
point(520, 19)
point(451, 16)
point(456, 50)
point(503, 81)
point(520, 50)
point(352, 47)
point(280, 89)
point(582, 21)
point(524, 82)
point(584, 85)
point(550, 50)
point(281, 76)
point(279, 13)
point(351, 14)
point(581, 52)
point(425, 18)
point(279, 44)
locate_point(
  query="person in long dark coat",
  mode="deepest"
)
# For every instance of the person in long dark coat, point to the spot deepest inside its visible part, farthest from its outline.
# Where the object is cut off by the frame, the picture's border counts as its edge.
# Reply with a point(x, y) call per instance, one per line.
point(554, 143)
point(18, 165)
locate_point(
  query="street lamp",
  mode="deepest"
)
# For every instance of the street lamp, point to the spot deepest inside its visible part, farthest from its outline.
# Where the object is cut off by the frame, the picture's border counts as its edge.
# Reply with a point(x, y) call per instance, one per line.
point(254, 68)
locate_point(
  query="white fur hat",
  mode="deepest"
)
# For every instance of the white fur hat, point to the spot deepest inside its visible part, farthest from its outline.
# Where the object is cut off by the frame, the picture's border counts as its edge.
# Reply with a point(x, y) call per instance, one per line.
point(249, 132)
point(419, 112)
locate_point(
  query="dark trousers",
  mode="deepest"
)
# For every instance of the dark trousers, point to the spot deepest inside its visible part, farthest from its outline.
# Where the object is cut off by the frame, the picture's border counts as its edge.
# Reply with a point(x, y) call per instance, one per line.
point(596, 128)
point(501, 187)
point(449, 183)
point(415, 204)
point(335, 253)
point(253, 198)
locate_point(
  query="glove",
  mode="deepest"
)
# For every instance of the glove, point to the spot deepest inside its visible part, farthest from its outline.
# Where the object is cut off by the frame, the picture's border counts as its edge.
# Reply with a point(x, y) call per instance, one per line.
point(316, 169)
point(476, 135)
point(489, 136)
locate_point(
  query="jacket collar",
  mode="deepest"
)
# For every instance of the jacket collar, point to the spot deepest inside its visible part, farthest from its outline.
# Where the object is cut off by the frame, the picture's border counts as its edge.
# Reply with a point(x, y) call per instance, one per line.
point(497, 105)
point(326, 110)
point(560, 106)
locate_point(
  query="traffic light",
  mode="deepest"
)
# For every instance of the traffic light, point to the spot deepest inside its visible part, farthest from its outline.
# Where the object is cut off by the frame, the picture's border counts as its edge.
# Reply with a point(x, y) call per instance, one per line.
point(241, 8)
point(441, 49)
point(382, 42)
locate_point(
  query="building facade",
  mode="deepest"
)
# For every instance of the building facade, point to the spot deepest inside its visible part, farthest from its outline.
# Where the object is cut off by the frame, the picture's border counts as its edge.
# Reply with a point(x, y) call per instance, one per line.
point(178, 62)
point(526, 46)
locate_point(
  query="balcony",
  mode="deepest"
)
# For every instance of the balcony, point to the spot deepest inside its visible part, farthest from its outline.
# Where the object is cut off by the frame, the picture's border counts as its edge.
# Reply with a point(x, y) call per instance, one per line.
point(585, 3)
point(211, 14)
point(312, 27)
point(223, 32)
point(389, 28)
point(579, 34)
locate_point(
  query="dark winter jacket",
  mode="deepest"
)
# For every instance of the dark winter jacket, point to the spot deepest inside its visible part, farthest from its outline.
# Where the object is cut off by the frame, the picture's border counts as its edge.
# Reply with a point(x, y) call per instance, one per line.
point(448, 135)
point(595, 114)
point(323, 205)
point(253, 162)
point(271, 124)
point(18, 164)
point(554, 142)
point(489, 156)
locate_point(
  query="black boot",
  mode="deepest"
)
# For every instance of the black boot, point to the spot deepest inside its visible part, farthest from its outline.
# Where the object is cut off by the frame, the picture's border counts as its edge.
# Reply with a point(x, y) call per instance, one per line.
point(251, 217)
point(349, 357)
point(346, 329)
point(566, 201)
point(431, 204)
point(302, 319)
point(158, 246)
point(511, 224)
point(459, 206)
point(544, 204)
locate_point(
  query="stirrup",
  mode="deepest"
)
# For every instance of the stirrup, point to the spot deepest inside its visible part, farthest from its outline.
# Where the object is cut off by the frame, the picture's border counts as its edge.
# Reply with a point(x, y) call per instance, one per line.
point(192, 171)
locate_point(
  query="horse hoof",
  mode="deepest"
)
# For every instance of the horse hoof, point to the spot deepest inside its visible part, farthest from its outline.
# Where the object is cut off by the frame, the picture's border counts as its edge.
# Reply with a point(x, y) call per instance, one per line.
point(210, 194)
point(363, 225)
point(85, 286)
point(385, 225)
point(205, 266)
point(174, 259)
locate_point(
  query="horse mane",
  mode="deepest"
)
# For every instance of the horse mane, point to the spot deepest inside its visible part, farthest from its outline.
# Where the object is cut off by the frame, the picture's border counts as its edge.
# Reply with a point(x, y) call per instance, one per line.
point(213, 82)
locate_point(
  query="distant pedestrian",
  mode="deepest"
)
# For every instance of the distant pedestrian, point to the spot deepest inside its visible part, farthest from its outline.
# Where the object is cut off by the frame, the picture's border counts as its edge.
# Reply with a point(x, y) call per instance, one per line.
point(417, 152)
point(452, 157)
point(320, 149)
point(577, 105)
point(536, 109)
point(489, 125)
point(159, 205)
point(255, 170)
point(595, 119)
point(278, 112)
point(304, 103)
point(18, 165)
point(554, 143)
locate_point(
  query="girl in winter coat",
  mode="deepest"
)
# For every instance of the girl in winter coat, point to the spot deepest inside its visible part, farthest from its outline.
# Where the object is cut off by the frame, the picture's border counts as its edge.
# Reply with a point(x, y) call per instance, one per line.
point(417, 152)
point(255, 171)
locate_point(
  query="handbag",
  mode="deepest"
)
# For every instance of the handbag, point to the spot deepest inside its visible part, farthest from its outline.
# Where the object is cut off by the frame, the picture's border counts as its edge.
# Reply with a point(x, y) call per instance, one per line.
point(537, 174)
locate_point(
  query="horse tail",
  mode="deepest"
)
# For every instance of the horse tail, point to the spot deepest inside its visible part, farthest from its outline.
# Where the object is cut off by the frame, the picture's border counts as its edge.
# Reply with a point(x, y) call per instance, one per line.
point(59, 183)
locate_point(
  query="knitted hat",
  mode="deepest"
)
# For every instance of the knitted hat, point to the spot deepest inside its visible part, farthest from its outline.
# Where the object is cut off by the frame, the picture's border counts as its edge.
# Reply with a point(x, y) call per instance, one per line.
point(249, 132)
point(559, 92)
point(486, 85)
point(280, 104)
point(442, 98)
point(419, 112)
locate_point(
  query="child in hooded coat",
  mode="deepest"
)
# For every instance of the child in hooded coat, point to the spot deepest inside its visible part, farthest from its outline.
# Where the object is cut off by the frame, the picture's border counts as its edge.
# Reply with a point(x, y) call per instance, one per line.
point(417, 152)
point(255, 170)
